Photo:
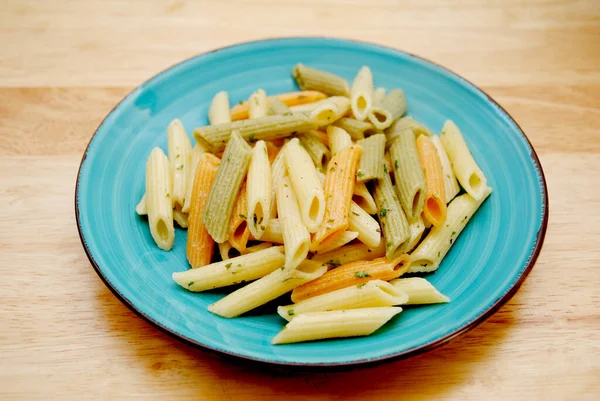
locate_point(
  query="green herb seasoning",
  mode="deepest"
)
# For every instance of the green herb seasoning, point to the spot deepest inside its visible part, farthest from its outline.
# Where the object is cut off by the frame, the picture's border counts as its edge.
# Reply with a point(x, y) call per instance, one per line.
point(228, 266)
point(243, 216)
point(291, 312)
point(361, 285)
point(396, 164)
point(383, 212)
point(361, 274)
point(191, 283)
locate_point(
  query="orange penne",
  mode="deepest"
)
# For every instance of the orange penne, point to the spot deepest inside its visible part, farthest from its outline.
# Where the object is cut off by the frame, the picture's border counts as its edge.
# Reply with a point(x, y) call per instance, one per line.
point(354, 273)
point(339, 187)
point(434, 207)
point(200, 245)
point(239, 233)
point(240, 110)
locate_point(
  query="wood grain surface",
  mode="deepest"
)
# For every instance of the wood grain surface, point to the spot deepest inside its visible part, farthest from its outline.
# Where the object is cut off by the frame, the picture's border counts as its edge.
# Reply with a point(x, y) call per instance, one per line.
point(65, 64)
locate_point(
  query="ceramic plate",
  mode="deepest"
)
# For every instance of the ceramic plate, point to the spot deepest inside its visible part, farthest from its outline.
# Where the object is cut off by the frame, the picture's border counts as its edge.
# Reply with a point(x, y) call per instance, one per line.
point(482, 271)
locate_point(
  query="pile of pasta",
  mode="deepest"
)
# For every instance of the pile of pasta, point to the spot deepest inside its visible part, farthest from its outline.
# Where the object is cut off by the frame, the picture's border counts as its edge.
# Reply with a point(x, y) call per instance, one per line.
point(329, 193)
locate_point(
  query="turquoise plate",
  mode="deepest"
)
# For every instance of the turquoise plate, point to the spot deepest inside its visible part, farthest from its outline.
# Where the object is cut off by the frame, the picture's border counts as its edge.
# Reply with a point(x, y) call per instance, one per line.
point(482, 271)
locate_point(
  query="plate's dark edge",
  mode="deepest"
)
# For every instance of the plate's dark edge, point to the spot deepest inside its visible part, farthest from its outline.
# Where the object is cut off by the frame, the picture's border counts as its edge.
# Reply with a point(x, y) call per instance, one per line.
point(363, 362)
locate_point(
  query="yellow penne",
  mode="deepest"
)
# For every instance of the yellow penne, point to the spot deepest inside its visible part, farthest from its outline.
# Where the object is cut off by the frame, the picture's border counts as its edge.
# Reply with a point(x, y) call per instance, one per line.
point(352, 274)
point(200, 245)
point(348, 254)
point(434, 207)
point(240, 110)
point(257, 104)
point(339, 187)
point(158, 199)
point(239, 233)
point(363, 198)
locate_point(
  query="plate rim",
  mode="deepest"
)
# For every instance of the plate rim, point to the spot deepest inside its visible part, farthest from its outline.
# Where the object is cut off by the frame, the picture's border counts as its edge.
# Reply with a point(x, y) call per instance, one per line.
point(532, 258)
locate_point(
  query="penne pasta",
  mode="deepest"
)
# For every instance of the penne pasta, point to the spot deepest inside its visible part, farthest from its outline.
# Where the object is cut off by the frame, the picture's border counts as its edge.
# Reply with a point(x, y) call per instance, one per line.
point(391, 216)
point(365, 225)
point(312, 79)
point(330, 110)
point(273, 232)
point(378, 96)
point(366, 295)
point(451, 188)
point(348, 254)
point(227, 251)
point(296, 238)
point(278, 169)
point(259, 190)
point(434, 206)
point(380, 117)
point(230, 174)
point(269, 287)
point(465, 168)
point(158, 199)
point(410, 181)
point(371, 166)
point(363, 198)
point(338, 241)
point(353, 273)
point(195, 156)
point(215, 137)
point(355, 128)
point(319, 153)
point(344, 323)
point(179, 156)
point(238, 233)
point(257, 104)
point(416, 227)
point(233, 271)
point(256, 248)
point(141, 208)
point(240, 110)
point(305, 182)
point(395, 104)
point(200, 245)
point(338, 139)
point(419, 291)
point(361, 99)
point(435, 246)
point(218, 113)
point(339, 187)
point(406, 123)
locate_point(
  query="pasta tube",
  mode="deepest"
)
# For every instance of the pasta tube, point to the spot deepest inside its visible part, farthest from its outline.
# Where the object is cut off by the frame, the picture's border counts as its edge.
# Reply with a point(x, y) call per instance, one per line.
point(195, 156)
point(200, 245)
point(416, 227)
point(344, 323)
point(410, 181)
point(467, 171)
point(158, 199)
point(367, 295)
point(316, 149)
point(276, 106)
point(365, 225)
point(371, 165)
point(434, 206)
point(257, 104)
point(355, 128)
point(380, 117)
point(218, 113)
point(181, 218)
point(339, 186)
point(395, 104)
point(243, 268)
point(393, 221)
point(296, 238)
point(348, 254)
point(361, 93)
point(141, 208)
point(338, 139)
point(306, 185)
point(312, 79)
point(239, 233)
point(179, 156)
point(451, 188)
point(435, 246)
point(403, 124)
point(330, 110)
point(378, 96)
point(230, 174)
point(338, 241)
point(353, 274)
point(273, 232)
point(278, 169)
point(240, 110)
point(227, 251)
point(271, 286)
point(419, 291)
point(259, 190)
point(214, 137)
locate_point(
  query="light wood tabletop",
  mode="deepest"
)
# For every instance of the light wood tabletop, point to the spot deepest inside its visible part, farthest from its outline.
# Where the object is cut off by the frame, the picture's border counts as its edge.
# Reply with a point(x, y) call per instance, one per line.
point(65, 64)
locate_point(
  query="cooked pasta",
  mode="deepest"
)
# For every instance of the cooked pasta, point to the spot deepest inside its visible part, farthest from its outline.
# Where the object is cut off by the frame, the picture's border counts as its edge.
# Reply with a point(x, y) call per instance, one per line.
point(363, 198)
point(273, 232)
point(259, 190)
point(158, 199)
point(349, 253)
point(419, 291)
point(240, 110)
point(338, 139)
point(434, 206)
point(371, 166)
point(355, 128)
point(391, 216)
point(451, 188)
point(366, 295)
point(296, 237)
point(312, 79)
point(344, 323)
point(195, 156)
point(239, 232)
point(330, 110)
point(219, 109)
point(406, 123)
point(319, 153)
point(257, 104)
point(361, 93)
point(179, 156)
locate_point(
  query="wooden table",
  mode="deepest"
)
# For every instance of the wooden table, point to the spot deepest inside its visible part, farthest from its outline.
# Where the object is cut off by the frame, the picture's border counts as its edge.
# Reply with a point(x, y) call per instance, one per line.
point(65, 64)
